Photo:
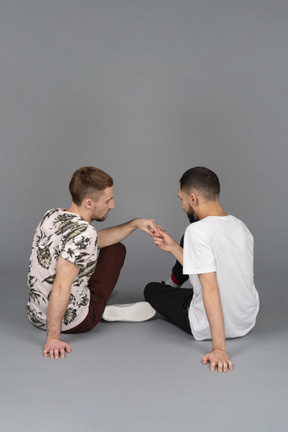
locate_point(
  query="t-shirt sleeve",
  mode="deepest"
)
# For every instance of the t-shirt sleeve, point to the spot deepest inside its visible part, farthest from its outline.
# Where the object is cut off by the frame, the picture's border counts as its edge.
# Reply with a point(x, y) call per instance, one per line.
point(79, 248)
point(198, 255)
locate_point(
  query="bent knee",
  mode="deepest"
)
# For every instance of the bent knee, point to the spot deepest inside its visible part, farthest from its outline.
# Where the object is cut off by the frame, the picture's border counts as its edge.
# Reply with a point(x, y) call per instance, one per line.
point(120, 248)
point(120, 251)
point(148, 290)
point(117, 248)
point(114, 252)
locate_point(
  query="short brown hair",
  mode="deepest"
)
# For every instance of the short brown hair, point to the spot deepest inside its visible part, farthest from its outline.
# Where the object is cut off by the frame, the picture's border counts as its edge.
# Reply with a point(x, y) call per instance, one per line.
point(86, 181)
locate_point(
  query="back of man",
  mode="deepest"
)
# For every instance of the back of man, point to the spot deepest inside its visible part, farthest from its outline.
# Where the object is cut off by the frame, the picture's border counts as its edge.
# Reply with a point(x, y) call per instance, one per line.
point(222, 244)
point(69, 282)
point(218, 257)
point(64, 234)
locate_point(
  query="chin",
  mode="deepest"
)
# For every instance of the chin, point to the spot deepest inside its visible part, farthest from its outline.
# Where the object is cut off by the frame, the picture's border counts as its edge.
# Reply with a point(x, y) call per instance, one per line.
point(100, 219)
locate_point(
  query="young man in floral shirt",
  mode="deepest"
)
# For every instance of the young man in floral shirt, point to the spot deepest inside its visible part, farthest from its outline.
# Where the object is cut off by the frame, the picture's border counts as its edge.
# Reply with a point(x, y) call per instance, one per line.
point(69, 286)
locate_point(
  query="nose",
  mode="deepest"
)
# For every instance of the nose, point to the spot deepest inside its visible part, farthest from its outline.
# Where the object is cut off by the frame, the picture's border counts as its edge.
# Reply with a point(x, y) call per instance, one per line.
point(112, 204)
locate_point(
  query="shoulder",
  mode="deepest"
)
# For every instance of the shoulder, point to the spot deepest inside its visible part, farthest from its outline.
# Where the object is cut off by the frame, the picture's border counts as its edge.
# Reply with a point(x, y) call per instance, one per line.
point(240, 225)
point(49, 213)
point(91, 230)
point(80, 225)
point(197, 232)
point(83, 231)
point(49, 217)
point(199, 227)
point(52, 211)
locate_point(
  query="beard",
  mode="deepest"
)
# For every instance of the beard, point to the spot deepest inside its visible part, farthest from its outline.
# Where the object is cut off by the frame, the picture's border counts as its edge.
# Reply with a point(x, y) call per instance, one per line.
point(191, 215)
point(101, 219)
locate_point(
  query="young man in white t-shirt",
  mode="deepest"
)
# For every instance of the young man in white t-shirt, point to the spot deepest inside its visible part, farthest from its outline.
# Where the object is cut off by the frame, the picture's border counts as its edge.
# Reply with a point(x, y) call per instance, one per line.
point(218, 257)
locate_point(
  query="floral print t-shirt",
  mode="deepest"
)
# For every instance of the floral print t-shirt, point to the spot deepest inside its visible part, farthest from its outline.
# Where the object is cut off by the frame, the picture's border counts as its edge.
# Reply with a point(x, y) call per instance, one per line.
point(68, 235)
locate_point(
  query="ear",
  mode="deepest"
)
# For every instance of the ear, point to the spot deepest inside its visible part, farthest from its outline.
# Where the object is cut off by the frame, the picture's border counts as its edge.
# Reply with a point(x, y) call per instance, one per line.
point(193, 199)
point(87, 203)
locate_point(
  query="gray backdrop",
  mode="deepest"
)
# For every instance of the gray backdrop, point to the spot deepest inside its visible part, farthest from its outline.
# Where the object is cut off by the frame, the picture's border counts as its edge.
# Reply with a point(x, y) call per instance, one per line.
point(144, 90)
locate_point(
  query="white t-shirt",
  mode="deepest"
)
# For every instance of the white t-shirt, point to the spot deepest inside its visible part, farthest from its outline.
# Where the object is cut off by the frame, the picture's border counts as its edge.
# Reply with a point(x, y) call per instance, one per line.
point(68, 235)
point(222, 244)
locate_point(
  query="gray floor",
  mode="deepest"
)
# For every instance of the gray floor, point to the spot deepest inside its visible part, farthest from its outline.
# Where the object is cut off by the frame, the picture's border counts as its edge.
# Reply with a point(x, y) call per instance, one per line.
point(142, 377)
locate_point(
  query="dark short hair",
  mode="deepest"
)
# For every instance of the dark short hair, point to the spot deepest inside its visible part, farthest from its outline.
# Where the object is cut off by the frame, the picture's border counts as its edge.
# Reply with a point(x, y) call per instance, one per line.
point(202, 180)
point(86, 181)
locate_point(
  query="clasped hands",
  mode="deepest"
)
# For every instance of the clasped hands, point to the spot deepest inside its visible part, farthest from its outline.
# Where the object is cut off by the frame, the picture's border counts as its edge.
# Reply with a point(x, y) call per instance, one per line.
point(160, 237)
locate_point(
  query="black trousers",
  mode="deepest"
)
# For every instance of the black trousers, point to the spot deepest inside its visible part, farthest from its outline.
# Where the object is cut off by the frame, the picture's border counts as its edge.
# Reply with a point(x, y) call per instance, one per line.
point(172, 303)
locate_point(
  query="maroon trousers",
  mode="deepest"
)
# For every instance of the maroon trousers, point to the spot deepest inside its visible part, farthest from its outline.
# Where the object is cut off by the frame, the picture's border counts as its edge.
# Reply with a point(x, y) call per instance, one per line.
point(101, 284)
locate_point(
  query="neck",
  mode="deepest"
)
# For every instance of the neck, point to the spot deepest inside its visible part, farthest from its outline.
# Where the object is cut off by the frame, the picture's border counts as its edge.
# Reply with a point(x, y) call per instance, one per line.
point(79, 211)
point(211, 209)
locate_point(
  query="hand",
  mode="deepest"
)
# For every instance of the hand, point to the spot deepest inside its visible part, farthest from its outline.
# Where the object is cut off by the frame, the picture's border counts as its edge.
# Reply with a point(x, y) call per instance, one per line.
point(164, 241)
point(218, 358)
point(149, 226)
point(56, 347)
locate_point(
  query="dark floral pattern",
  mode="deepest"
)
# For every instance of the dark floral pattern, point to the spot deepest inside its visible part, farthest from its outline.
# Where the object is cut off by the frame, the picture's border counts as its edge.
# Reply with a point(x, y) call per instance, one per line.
point(35, 318)
point(70, 315)
point(43, 250)
point(67, 235)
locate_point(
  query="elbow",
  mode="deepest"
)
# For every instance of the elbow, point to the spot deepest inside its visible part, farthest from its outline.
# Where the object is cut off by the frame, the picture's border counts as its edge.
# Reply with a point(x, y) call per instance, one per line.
point(59, 289)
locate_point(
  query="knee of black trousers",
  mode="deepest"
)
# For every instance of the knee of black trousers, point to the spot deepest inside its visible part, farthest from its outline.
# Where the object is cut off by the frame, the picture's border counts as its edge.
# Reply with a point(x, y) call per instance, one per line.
point(148, 290)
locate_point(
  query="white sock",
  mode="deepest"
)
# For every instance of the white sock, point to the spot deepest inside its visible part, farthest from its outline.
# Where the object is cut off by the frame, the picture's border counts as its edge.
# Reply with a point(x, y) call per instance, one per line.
point(134, 312)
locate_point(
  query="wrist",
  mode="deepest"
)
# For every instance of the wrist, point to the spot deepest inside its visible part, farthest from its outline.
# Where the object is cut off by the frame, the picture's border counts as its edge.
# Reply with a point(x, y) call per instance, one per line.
point(219, 349)
point(52, 336)
point(177, 251)
point(134, 223)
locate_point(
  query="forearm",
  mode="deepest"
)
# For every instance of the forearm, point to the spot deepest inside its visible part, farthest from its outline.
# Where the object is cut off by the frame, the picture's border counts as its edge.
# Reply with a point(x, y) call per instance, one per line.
point(214, 314)
point(213, 308)
point(116, 234)
point(57, 307)
point(212, 303)
point(177, 251)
